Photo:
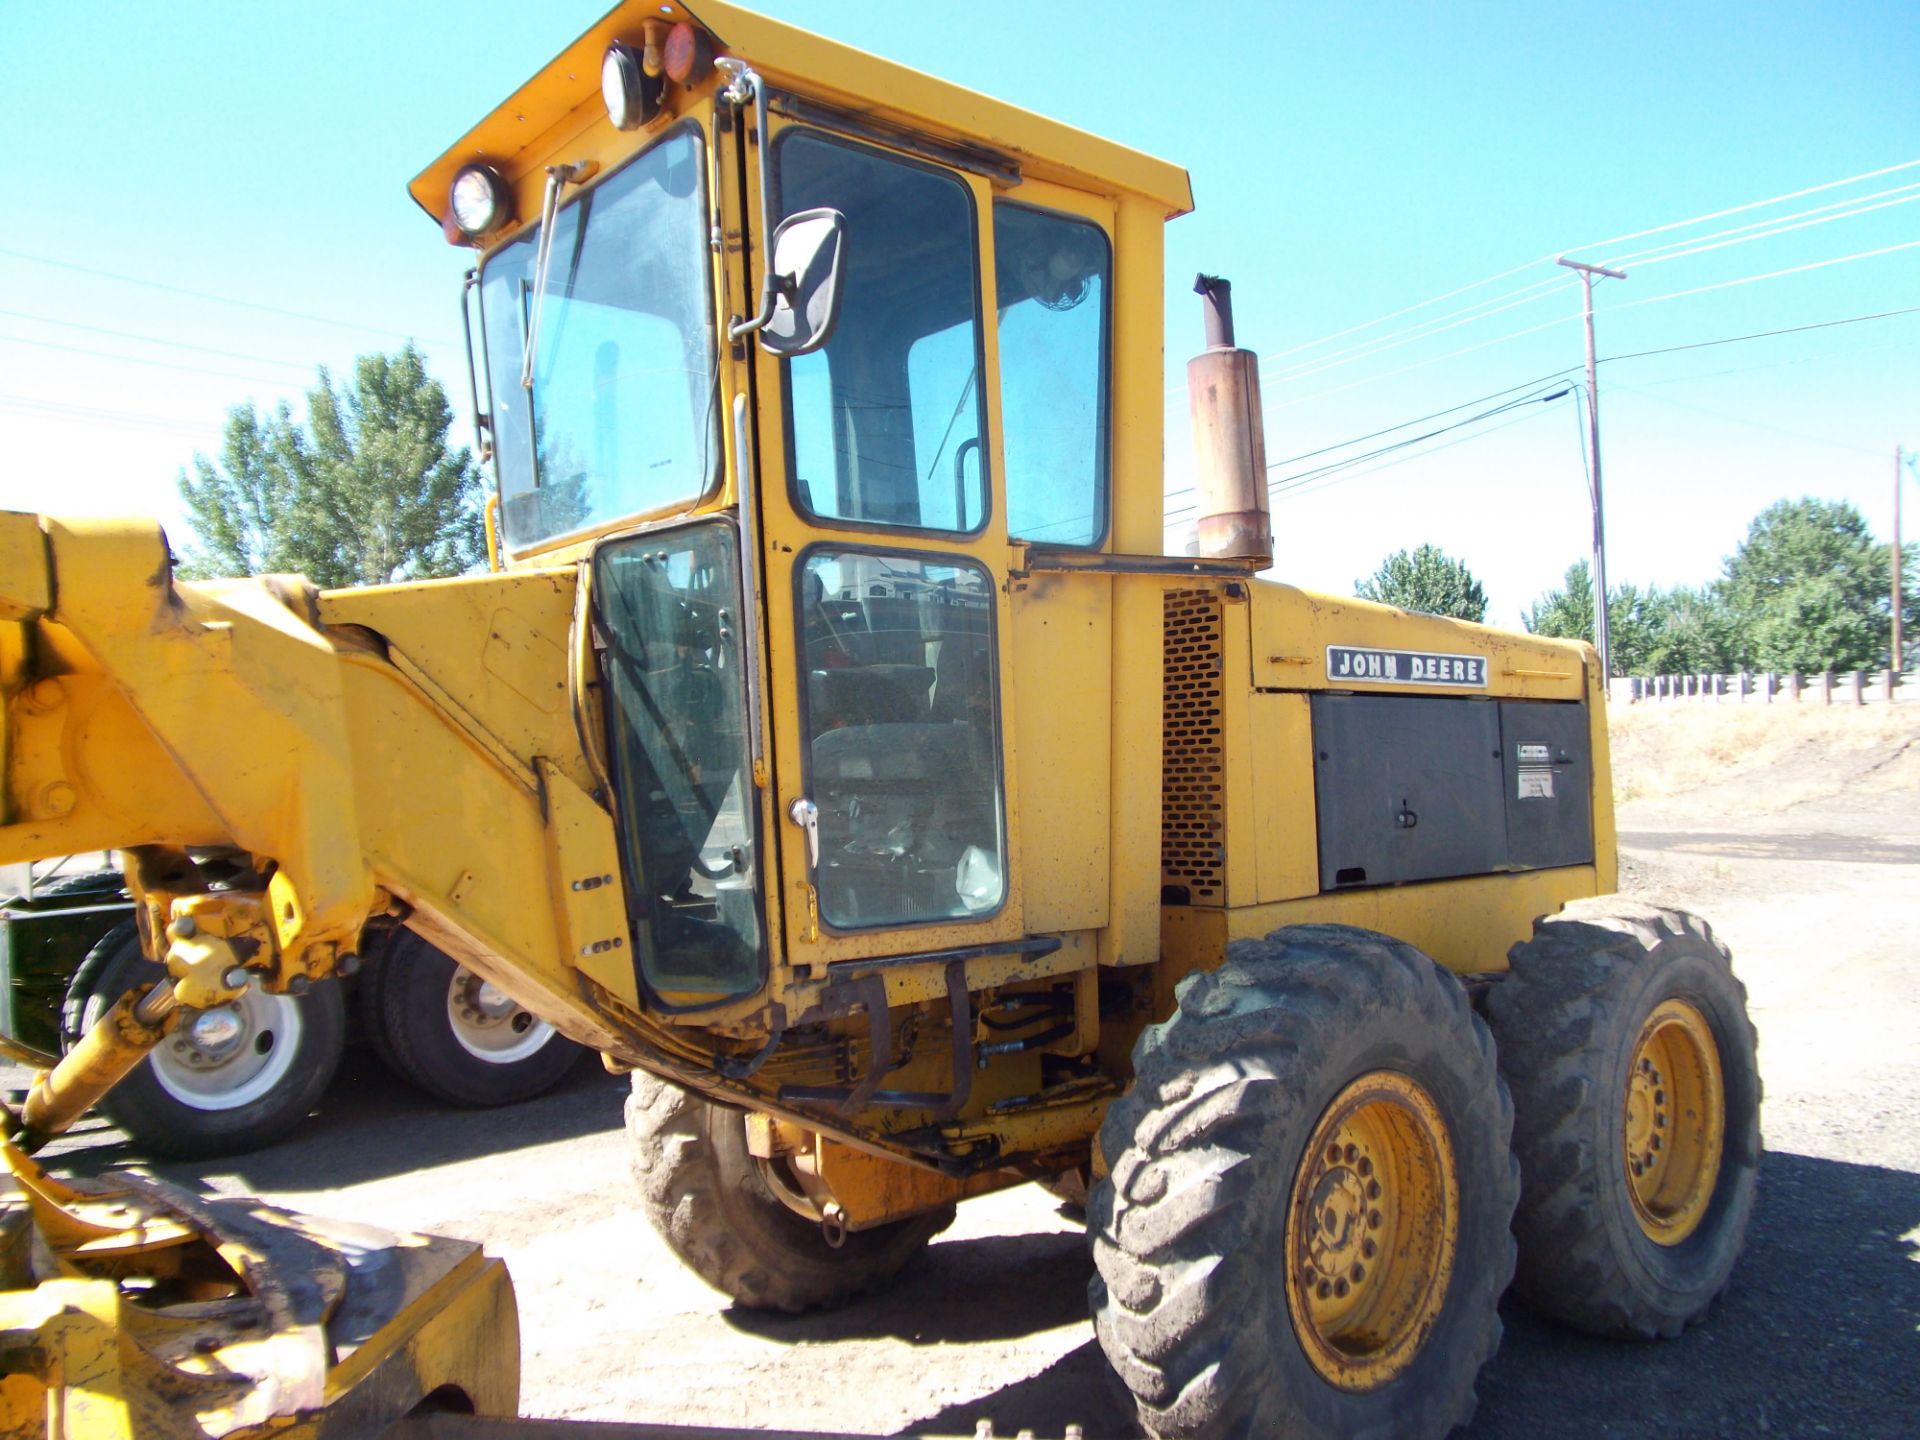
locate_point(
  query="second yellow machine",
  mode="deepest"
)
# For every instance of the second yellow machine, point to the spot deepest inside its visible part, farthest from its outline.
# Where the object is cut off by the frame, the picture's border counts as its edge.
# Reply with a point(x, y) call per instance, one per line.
point(835, 747)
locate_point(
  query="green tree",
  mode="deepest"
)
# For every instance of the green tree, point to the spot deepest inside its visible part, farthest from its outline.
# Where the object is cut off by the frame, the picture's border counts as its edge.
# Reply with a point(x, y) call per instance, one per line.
point(366, 492)
point(1693, 633)
point(1567, 614)
point(1807, 589)
point(1428, 580)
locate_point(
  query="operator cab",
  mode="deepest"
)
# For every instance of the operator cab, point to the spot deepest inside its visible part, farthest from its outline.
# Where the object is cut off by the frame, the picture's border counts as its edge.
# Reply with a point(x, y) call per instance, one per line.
point(805, 381)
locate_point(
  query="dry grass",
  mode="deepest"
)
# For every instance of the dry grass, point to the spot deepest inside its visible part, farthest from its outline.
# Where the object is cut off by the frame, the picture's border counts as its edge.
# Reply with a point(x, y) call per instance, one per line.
point(1784, 753)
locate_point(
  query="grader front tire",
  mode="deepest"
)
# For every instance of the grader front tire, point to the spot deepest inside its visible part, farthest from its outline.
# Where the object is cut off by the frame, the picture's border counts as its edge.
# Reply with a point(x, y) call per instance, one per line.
point(1305, 1231)
point(1624, 1036)
point(709, 1199)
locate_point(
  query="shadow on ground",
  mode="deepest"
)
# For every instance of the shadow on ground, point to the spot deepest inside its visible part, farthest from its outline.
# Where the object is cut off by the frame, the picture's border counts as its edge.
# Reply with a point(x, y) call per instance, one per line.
point(960, 1292)
point(370, 1126)
point(1816, 1336)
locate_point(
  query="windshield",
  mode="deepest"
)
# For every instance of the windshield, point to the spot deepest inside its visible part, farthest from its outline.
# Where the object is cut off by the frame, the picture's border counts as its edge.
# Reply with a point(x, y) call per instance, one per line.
point(620, 420)
point(667, 613)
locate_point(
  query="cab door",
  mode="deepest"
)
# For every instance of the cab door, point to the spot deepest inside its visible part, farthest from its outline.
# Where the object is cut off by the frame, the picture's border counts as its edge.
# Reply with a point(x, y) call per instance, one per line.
point(884, 547)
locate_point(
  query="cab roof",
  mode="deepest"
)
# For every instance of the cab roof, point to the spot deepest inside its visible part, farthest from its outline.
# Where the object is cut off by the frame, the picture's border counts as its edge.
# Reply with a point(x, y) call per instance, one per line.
point(563, 100)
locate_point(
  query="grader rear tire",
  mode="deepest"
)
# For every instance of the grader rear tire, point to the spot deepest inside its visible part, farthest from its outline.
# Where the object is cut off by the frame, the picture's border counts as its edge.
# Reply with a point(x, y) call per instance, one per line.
point(1305, 1231)
point(710, 1202)
point(1624, 1035)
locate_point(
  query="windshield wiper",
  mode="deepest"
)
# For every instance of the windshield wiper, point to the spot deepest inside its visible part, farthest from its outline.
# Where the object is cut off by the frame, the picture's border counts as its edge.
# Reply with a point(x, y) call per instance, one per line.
point(558, 177)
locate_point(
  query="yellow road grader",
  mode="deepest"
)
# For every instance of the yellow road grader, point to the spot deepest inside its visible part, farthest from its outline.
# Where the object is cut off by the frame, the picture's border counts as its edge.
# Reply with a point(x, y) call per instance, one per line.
point(833, 746)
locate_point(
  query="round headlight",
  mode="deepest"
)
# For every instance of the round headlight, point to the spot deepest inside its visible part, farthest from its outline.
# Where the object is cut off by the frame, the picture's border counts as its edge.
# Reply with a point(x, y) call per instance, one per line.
point(479, 200)
point(632, 96)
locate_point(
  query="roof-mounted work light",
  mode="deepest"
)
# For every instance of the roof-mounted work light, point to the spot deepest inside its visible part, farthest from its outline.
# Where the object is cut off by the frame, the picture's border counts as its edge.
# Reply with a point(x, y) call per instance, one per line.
point(480, 200)
point(632, 95)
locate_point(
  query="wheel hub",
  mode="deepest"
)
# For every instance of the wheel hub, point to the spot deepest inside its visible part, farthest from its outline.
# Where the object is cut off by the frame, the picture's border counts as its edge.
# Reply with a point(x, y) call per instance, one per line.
point(1371, 1228)
point(1673, 1122)
point(230, 1056)
point(489, 1024)
point(216, 1034)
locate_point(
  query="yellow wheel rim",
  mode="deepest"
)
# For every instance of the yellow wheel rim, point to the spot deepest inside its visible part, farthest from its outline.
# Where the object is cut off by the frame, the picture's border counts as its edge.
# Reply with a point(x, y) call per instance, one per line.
point(1675, 1122)
point(1371, 1228)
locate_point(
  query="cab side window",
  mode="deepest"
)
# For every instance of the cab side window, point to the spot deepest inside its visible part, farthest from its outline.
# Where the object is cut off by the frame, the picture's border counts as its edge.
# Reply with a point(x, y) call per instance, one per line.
point(885, 421)
point(1052, 274)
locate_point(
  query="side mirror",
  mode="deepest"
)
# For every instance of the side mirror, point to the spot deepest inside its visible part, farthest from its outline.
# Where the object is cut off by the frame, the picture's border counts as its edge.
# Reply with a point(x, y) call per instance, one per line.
point(808, 249)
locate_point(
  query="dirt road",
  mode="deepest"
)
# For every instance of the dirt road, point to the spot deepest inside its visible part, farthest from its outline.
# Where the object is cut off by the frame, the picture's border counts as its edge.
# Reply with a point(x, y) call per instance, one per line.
point(1802, 852)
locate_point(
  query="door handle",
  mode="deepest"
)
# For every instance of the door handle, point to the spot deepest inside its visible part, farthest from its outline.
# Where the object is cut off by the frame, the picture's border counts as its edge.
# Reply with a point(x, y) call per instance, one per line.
point(804, 813)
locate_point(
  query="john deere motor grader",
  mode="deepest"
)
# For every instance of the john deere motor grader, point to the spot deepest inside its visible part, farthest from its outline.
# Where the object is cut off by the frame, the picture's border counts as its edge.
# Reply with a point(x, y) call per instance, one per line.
point(833, 746)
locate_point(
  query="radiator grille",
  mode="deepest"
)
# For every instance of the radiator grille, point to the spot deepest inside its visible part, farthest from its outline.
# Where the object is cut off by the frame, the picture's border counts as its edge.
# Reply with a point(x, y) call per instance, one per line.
point(1193, 799)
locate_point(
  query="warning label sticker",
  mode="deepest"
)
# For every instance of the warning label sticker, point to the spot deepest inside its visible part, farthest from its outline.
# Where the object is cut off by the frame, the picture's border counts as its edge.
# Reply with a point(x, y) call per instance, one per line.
point(1536, 783)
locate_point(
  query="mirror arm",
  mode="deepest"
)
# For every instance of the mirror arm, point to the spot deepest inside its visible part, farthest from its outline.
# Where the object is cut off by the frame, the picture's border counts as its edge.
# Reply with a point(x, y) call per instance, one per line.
point(743, 84)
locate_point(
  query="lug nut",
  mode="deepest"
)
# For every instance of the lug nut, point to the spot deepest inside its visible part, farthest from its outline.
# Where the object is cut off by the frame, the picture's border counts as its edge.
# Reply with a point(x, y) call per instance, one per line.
point(183, 928)
point(1366, 1165)
point(1340, 1288)
point(1373, 1219)
point(234, 977)
point(1353, 1153)
point(1368, 1248)
point(1359, 1272)
point(1373, 1189)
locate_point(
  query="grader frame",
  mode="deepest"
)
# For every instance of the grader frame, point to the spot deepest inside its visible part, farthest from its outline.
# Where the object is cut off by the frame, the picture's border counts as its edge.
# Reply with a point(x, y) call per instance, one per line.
point(892, 788)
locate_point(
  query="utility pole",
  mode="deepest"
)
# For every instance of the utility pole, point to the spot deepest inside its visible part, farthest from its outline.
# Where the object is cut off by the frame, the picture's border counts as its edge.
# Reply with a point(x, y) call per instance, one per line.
point(1894, 656)
point(1602, 637)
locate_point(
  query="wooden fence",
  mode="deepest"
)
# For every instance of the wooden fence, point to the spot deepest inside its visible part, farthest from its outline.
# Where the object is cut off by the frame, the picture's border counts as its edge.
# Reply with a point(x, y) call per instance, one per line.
point(1843, 687)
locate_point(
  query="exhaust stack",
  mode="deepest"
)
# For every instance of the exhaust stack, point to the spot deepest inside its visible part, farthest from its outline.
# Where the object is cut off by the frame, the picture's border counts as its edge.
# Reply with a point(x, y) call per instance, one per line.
point(1229, 437)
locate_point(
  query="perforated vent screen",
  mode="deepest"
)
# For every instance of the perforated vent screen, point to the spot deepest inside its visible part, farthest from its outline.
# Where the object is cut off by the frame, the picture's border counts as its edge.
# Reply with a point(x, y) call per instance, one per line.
point(1193, 812)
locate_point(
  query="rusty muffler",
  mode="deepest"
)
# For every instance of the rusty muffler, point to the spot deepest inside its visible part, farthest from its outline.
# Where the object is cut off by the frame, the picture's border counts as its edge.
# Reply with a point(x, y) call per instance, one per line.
point(1229, 438)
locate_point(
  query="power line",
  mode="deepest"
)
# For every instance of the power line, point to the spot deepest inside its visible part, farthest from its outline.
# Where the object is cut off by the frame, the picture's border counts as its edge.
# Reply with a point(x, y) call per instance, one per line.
point(1770, 275)
point(1533, 384)
point(1422, 419)
point(1326, 481)
point(153, 339)
point(208, 295)
point(1426, 331)
point(138, 360)
point(1750, 205)
point(1287, 482)
point(1767, 234)
point(126, 419)
point(1626, 305)
point(1779, 224)
point(1539, 290)
point(1647, 256)
point(1760, 335)
point(1543, 380)
point(1646, 394)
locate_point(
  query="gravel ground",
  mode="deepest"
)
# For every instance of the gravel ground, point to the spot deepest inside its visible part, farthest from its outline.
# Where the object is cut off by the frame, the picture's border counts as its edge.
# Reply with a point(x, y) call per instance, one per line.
point(1805, 865)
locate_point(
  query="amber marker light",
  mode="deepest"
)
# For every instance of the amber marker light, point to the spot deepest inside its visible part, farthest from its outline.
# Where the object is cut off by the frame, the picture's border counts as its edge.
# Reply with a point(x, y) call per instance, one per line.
point(478, 200)
point(688, 55)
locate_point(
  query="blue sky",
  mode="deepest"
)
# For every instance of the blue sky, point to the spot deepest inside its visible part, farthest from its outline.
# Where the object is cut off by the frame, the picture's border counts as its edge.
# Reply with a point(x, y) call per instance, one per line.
point(247, 164)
